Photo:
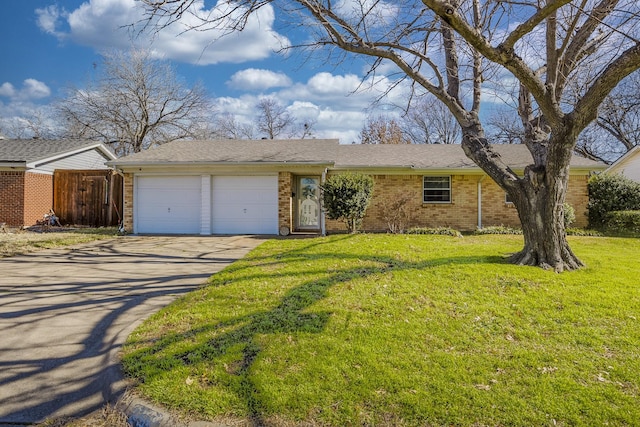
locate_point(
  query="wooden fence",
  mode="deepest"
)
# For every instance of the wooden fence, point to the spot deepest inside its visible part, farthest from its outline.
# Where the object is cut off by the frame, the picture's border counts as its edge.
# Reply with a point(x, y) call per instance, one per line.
point(88, 197)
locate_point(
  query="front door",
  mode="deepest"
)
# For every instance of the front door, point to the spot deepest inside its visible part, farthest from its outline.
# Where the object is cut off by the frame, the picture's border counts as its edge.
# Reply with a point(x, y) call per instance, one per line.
point(308, 213)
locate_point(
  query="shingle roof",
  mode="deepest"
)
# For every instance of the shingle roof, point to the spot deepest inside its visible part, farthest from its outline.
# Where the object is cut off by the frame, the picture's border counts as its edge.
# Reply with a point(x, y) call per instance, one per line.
point(433, 156)
point(328, 151)
point(238, 151)
point(32, 150)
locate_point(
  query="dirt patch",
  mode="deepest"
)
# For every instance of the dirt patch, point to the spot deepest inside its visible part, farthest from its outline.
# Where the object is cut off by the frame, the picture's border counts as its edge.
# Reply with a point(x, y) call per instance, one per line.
point(106, 417)
point(18, 241)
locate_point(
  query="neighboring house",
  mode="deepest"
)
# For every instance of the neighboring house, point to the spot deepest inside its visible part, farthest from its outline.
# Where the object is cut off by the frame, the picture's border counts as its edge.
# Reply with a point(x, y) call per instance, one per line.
point(628, 165)
point(26, 174)
point(272, 187)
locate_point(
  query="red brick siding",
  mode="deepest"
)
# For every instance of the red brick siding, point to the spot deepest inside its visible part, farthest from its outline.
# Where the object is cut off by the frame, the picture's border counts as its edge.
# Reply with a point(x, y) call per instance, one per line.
point(12, 198)
point(38, 197)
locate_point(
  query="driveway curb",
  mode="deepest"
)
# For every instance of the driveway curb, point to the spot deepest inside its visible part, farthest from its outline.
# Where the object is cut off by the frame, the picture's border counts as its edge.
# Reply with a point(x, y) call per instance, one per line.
point(141, 413)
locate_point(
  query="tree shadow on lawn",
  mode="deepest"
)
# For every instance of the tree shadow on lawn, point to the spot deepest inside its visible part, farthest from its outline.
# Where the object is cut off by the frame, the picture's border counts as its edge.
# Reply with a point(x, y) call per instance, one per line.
point(288, 317)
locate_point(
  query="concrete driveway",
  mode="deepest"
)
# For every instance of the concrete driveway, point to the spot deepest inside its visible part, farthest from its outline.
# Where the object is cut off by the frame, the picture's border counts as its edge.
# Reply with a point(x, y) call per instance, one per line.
point(65, 313)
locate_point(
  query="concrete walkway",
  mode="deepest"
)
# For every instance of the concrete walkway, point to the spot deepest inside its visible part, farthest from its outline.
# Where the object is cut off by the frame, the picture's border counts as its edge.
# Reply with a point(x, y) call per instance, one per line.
point(65, 313)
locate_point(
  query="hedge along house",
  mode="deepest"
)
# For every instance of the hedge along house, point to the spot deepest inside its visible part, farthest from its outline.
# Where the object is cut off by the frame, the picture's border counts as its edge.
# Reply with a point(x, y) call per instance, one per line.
point(273, 187)
point(26, 174)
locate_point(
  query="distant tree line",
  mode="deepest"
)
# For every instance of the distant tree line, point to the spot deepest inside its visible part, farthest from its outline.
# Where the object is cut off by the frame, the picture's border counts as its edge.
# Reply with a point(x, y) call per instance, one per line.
point(135, 101)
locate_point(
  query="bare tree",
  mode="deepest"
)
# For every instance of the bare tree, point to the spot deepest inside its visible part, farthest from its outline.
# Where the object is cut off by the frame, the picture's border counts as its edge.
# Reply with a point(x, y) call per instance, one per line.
point(382, 130)
point(135, 103)
point(619, 114)
point(273, 118)
point(304, 130)
point(39, 123)
point(615, 131)
point(443, 46)
point(429, 121)
point(227, 126)
point(505, 128)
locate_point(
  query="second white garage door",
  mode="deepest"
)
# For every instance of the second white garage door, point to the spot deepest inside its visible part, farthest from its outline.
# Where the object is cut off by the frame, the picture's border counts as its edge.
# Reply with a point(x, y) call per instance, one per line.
point(244, 205)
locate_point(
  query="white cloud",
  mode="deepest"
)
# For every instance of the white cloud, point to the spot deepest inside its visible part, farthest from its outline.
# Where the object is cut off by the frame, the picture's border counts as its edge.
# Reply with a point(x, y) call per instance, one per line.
point(49, 18)
point(115, 24)
point(338, 104)
point(7, 90)
point(257, 79)
point(378, 13)
point(32, 89)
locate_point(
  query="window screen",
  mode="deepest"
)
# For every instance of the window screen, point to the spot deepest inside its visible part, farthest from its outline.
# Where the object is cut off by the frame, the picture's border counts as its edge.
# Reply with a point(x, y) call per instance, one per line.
point(437, 189)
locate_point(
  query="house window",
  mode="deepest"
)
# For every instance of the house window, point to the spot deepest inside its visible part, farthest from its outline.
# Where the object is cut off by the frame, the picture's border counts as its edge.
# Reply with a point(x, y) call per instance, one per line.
point(507, 198)
point(437, 189)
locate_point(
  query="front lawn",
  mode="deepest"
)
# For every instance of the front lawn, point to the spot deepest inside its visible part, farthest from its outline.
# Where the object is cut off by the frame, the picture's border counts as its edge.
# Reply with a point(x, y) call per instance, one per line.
point(402, 330)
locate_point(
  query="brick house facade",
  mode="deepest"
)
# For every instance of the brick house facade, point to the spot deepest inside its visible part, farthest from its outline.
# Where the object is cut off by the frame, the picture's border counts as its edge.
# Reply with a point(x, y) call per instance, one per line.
point(473, 199)
point(462, 213)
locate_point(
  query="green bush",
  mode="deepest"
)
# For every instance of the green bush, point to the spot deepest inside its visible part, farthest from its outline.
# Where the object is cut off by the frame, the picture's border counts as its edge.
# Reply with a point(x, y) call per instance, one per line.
point(498, 229)
point(569, 215)
point(582, 232)
point(443, 231)
point(623, 222)
point(346, 197)
point(608, 193)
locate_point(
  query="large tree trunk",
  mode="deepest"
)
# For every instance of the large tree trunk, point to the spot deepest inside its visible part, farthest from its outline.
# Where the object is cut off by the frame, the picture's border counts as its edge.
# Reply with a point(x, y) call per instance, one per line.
point(538, 196)
point(541, 210)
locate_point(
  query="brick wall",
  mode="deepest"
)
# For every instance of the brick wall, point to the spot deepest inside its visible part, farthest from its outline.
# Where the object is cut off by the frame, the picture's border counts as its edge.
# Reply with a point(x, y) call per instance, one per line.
point(578, 197)
point(127, 208)
point(12, 198)
point(38, 197)
point(495, 209)
point(285, 218)
point(462, 212)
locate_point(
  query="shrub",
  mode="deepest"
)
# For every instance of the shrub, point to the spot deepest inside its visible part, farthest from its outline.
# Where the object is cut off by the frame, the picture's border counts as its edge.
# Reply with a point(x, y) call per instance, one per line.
point(346, 197)
point(395, 212)
point(583, 232)
point(623, 222)
point(498, 229)
point(608, 193)
point(443, 231)
point(569, 215)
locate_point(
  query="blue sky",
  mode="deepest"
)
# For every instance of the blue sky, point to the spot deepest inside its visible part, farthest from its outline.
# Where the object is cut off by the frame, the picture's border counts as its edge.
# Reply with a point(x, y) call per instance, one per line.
point(48, 45)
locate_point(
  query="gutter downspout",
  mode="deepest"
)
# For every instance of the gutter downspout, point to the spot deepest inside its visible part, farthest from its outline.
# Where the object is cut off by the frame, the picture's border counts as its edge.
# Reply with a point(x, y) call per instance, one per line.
point(480, 201)
point(323, 230)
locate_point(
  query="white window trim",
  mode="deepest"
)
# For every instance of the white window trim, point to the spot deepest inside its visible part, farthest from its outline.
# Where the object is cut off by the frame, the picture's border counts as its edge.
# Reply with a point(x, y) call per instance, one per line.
point(506, 199)
point(449, 188)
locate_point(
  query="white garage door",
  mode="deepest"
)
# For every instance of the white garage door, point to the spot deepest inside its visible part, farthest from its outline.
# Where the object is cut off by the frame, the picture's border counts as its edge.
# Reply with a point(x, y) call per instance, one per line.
point(168, 205)
point(244, 205)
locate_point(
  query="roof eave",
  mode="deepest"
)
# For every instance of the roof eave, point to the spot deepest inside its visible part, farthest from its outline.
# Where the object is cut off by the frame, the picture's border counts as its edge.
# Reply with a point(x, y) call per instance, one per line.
point(623, 159)
point(10, 164)
point(122, 165)
point(33, 164)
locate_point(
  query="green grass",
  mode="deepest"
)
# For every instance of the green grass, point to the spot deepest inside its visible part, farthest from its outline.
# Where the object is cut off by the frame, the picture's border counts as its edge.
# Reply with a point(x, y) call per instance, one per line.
point(402, 330)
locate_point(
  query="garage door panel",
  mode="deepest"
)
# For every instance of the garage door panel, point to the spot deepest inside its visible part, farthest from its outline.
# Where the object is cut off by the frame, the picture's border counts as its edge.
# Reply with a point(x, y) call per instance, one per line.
point(168, 205)
point(245, 205)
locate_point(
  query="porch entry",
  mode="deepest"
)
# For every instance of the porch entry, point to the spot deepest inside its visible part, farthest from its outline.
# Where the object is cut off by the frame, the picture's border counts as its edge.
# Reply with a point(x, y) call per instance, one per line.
point(308, 203)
